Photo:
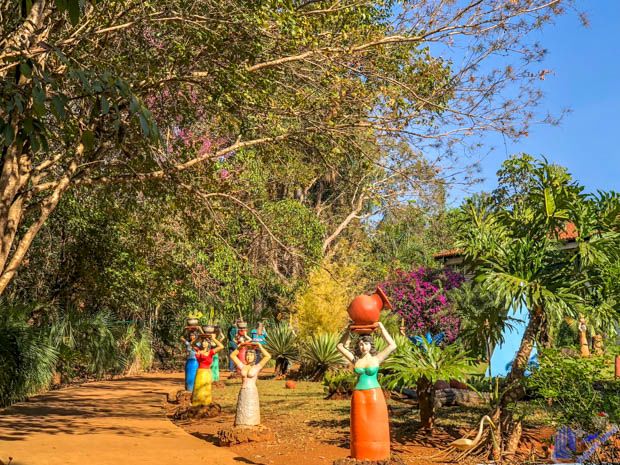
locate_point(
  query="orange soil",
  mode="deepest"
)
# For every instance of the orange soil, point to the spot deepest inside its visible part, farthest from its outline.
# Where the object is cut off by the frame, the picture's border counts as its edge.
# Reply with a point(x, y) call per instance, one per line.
point(124, 422)
point(103, 423)
point(308, 430)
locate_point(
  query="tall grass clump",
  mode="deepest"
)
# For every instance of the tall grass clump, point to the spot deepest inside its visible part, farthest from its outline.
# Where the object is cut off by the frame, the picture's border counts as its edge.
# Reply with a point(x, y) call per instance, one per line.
point(27, 357)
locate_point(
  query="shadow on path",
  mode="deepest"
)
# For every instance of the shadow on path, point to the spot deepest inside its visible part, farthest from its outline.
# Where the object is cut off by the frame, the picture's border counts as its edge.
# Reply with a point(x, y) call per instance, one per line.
point(114, 422)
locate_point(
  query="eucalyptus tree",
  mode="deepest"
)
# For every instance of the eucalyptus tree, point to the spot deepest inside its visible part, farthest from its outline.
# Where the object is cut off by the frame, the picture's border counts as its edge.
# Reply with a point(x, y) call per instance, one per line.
point(518, 251)
point(340, 98)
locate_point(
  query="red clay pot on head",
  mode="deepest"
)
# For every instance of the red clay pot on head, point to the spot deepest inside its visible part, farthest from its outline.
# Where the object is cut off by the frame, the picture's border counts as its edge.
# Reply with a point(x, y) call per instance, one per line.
point(365, 309)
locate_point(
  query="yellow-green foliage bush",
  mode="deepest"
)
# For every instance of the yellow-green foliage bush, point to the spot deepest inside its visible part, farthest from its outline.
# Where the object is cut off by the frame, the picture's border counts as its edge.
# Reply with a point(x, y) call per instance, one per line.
point(322, 305)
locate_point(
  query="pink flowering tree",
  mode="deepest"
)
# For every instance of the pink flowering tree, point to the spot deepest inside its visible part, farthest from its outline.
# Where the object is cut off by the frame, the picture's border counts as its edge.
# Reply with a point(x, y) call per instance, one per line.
point(420, 298)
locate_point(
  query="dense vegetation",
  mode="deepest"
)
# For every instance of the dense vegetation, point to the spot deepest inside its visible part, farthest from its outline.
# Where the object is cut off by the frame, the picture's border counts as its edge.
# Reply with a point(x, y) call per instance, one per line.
point(271, 159)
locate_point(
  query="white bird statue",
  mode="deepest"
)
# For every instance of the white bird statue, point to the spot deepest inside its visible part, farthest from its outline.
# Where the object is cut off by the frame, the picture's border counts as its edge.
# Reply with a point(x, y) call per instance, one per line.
point(466, 444)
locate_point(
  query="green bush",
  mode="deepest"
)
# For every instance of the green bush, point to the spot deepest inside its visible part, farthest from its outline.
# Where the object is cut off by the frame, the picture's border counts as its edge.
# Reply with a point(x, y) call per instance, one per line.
point(136, 350)
point(320, 354)
point(73, 344)
point(27, 358)
point(572, 391)
point(339, 383)
point(86, 344)
point(422, 366)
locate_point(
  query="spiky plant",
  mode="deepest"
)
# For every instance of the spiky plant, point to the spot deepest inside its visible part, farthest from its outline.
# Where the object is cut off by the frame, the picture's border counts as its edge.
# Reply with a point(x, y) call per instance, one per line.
point(27, 359)
point(339, 383)
point(321, 354)
point(400, 340)
point(282, 344)
point(483, 321)
point(86, 343)
point(136, 347)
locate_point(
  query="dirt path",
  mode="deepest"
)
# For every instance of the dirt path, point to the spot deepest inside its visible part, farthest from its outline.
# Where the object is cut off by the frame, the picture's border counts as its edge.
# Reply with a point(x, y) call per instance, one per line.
point(119, 422)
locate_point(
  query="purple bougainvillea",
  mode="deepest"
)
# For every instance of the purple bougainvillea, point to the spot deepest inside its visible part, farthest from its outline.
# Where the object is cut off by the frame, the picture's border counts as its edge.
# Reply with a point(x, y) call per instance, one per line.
point(420, 298)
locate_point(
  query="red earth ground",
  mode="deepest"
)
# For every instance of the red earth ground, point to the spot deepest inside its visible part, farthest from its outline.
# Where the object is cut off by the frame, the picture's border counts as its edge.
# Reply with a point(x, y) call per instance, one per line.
point(128, 421)
point(314, 430)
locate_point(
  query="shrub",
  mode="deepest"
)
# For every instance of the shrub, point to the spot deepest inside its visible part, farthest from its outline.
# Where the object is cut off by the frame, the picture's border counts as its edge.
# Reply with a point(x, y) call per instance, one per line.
point(27, 358)
point(572, 387)
point(420, 298)
point(281, 343)
point(320, 354)
point(86, 344)
point(322, 305)
point(422, 366)
point(136, 347)
point(339, 383)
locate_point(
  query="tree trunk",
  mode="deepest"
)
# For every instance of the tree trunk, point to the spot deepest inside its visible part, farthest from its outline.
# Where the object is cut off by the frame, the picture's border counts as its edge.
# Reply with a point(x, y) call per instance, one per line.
point(16, 162)
point(426, 401)
point(496, 452)
point(47, 207)
point(510, 428)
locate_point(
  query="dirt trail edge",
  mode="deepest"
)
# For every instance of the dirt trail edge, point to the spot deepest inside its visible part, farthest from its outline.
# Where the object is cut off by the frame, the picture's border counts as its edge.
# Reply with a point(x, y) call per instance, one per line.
point(120, 422)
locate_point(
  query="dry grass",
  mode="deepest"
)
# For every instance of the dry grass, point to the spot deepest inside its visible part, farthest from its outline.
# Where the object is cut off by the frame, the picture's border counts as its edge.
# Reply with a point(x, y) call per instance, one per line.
point(308, 426)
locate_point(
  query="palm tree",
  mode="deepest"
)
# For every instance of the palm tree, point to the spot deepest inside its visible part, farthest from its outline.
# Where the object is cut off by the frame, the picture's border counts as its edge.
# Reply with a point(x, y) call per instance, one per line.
point(597, 217)
point(483, 322)
point(517, 252)
point(422, 365)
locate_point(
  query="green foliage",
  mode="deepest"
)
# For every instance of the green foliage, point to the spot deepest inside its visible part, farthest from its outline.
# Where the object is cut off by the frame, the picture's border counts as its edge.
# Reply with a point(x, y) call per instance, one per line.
point(281, 152)
point(408, 237)
point(410, 362)
point(571, 390)
point(339, 383)
point(516, 249)
point(86, 344)
point(27, 357)
point(320, 354)
point(403, 343)
point(282, 343)
point(483, 320)
point(136, 350)
point(392, 323)
point(37, 343)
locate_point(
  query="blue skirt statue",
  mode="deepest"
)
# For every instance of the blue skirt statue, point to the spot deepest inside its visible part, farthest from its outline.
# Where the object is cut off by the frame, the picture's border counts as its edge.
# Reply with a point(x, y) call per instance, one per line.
point(191, 364)
point(191, 367)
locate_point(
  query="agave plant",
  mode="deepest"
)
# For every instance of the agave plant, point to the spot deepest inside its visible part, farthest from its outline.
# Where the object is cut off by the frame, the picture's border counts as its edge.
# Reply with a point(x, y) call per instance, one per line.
point(321, 354)
point(400, 340)
point(281, 343)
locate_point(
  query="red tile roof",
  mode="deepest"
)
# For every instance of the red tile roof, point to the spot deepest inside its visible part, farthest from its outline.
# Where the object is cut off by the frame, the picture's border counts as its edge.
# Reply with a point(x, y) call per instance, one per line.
point(569, 233)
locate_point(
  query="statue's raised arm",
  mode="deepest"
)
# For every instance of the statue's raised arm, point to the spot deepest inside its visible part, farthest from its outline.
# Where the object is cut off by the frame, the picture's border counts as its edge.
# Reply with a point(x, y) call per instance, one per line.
point(370, 431)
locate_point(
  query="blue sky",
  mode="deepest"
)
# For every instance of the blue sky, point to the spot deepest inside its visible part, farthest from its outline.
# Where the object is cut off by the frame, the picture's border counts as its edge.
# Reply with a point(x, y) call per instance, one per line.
point(586, 79)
